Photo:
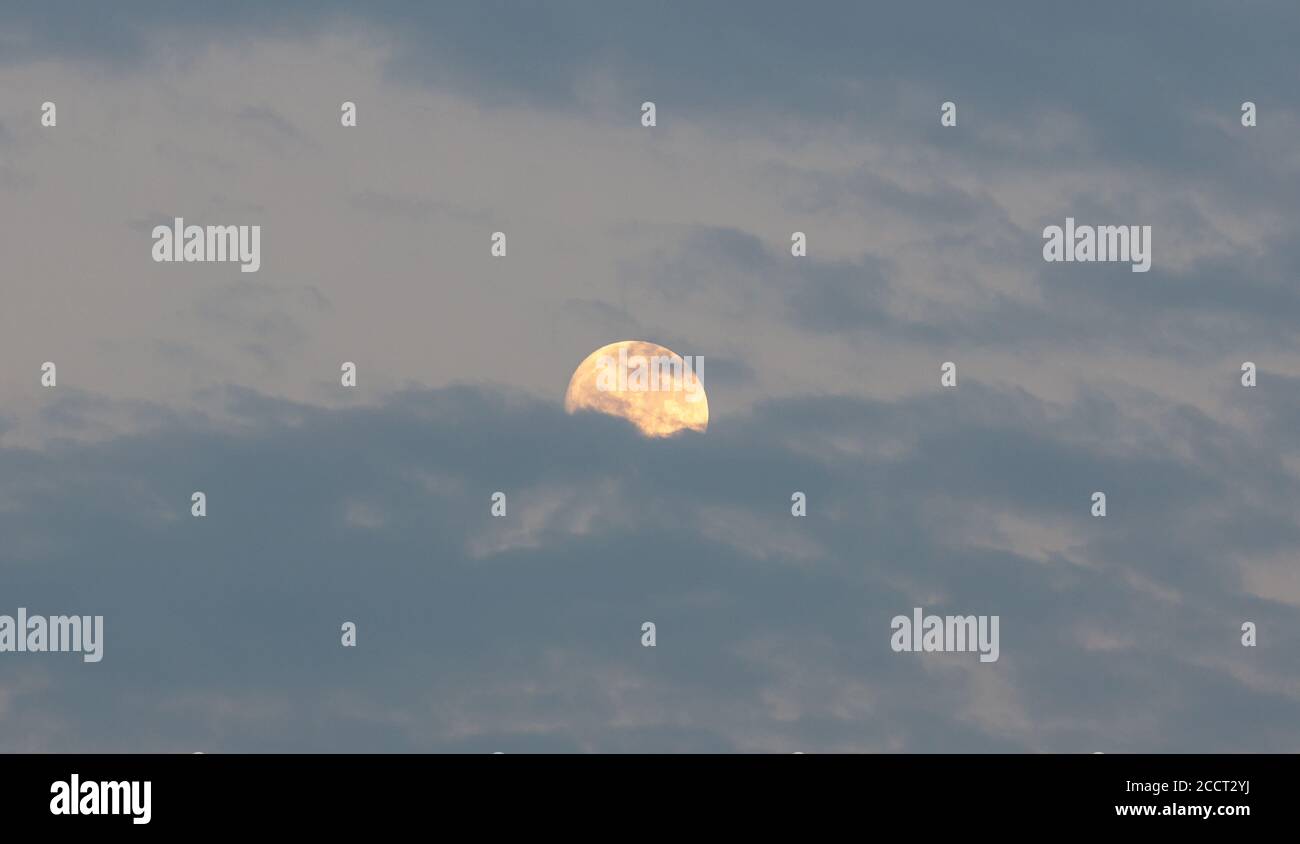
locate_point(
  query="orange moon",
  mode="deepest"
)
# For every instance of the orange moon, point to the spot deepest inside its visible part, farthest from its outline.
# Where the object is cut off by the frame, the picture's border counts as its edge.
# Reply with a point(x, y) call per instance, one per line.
point(649, 385)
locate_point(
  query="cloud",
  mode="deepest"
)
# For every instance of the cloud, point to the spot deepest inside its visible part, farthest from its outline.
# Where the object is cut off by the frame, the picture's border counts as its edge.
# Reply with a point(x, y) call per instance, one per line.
point(477, 632)
point(371, 504)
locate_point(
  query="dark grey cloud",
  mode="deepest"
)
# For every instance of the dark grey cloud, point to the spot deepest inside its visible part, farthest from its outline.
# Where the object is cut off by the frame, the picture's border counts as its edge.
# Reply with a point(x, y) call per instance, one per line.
point(1223, 305)
point(522, 633)
point(1136, 72)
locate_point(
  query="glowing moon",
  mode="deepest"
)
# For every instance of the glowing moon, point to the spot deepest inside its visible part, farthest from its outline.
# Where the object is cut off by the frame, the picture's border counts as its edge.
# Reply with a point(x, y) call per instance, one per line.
point(651, 386)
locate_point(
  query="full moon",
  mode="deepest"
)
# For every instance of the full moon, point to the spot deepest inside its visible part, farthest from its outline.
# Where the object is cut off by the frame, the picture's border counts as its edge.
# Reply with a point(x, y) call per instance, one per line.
point(649, 385)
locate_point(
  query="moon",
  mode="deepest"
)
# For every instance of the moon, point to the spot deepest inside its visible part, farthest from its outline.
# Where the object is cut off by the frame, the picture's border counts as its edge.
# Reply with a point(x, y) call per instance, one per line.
point(651, 386)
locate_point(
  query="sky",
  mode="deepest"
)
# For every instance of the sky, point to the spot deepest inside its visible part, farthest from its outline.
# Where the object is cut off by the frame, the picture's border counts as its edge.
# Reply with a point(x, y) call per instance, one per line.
point(371, 504)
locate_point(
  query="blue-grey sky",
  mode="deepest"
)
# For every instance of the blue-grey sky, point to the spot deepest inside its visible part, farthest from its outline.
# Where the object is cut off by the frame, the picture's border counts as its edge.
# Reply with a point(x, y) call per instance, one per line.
point(371, 504)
